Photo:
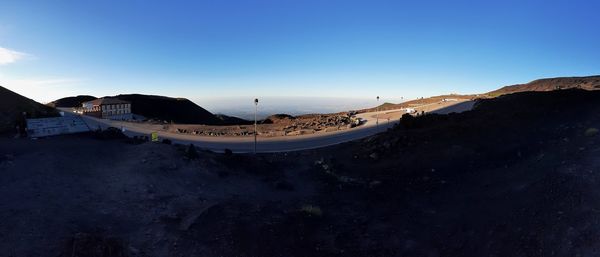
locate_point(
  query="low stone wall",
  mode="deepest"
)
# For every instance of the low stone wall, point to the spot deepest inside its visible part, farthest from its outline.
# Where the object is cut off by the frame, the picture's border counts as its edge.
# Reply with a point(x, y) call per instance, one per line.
point(56, 126)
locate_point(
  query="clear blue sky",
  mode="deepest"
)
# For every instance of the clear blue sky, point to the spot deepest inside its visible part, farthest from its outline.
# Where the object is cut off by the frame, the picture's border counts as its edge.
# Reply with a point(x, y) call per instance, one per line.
point(207, 50)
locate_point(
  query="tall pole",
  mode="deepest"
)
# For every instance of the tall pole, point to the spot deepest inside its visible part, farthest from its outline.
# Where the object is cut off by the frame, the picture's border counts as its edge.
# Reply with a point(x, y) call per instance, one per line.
point(255, 126)
point(377, 122)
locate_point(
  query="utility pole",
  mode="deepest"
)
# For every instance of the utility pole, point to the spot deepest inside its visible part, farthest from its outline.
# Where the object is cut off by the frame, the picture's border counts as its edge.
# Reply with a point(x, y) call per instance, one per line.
point(377, 122)
point(255, 126)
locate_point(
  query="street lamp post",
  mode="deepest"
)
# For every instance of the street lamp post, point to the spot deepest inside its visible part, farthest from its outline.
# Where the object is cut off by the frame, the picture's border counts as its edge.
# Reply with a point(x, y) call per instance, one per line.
point(255, 126)
point(377, 121)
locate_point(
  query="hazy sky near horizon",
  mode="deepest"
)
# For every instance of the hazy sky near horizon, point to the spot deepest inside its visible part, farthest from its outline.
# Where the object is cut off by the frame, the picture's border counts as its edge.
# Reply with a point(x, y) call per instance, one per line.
point(206, 50)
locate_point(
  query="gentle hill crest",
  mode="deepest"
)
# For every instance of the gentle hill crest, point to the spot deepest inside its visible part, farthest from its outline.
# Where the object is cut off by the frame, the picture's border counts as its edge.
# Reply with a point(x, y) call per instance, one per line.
point(539, 85)
point(72, 101)
point(550, 84)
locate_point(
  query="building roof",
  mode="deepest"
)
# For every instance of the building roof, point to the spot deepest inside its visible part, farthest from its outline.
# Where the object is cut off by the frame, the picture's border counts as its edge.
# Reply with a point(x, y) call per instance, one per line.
point(106, 101)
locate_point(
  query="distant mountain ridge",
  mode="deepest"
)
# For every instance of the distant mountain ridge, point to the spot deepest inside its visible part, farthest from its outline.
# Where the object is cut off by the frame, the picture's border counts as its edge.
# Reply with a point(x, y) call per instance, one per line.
point(181, 110)
point(177, 110)
point(73, 101)
point(420, 101)
point(549, 84)
point(545, 84)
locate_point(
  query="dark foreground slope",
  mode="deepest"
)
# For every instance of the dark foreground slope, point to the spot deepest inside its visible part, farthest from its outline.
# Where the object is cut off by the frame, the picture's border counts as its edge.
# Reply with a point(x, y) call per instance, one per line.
point(12, 105)
point(518, 176)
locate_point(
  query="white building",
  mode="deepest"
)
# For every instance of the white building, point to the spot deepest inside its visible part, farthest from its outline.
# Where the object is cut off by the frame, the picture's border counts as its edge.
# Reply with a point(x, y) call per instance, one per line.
point(108, 108)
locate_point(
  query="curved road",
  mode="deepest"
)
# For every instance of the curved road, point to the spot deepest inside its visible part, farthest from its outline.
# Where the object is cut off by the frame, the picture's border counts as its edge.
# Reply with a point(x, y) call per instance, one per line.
point(282, 143)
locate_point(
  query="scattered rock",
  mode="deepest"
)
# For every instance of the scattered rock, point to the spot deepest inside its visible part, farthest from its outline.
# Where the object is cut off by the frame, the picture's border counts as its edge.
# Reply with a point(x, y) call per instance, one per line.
point(8, 157)
point(84, 244)
point(170, 167)
point(387, 145)
point(283, 185)
point(540, 157)
point(223, 174)
point(191, 152)
point(374, 184)
point(134, 250)
point(374, 156)
point(311, 210)
point(191, 218)
point(590, 132)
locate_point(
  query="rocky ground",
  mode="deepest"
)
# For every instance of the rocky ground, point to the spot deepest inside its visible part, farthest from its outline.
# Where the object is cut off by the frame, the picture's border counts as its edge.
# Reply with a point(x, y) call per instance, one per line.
point(517, 176)
point(275, 125)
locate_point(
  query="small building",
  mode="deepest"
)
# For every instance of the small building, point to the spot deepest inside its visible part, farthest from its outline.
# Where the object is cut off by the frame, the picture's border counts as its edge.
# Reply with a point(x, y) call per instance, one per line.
point(108, 108)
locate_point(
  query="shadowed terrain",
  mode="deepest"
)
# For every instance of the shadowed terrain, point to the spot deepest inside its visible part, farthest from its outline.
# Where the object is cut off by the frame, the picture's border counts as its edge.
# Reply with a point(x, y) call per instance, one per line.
point(516, 176)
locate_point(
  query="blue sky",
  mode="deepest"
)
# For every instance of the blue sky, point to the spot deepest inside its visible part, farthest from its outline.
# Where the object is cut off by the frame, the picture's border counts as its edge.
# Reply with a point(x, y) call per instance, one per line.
point(210, 50)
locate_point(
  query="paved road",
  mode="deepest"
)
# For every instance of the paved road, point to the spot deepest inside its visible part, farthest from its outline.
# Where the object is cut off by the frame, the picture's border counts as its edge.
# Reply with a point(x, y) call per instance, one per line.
point(281, 143)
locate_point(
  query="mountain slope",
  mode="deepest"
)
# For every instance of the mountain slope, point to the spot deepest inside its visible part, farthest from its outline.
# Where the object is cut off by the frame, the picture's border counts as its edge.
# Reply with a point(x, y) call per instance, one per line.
point(540, 85)
point(416, 102)
point(549, 84)
point(178, 110)
point(231, 120)
point(12, 105)
point(72, 101)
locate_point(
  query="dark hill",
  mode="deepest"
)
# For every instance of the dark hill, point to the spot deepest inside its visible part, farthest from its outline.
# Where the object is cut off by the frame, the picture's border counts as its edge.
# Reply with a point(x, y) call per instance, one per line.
point(549, 84)
point(12, 105)
point(275, 118)
point(231, 120)
point(510, 176)
point(72, 101)
point(178, 110)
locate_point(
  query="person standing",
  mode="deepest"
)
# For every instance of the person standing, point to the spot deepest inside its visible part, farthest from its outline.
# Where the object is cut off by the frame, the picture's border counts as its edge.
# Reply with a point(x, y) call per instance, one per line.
point(21, 125)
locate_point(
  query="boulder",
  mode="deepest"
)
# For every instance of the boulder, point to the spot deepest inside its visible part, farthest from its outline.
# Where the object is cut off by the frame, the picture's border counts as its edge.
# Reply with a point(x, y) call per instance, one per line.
point(590, 132)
